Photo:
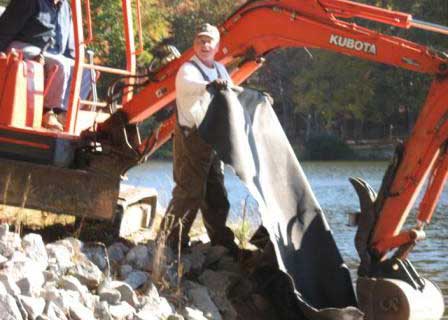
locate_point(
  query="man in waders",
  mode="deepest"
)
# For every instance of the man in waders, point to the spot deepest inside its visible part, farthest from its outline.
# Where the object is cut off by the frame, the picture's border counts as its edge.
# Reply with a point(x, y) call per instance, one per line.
point(197, 171)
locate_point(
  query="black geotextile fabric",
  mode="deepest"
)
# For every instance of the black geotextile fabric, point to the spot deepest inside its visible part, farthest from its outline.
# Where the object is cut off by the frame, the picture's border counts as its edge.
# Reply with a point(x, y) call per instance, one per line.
point(245, 132)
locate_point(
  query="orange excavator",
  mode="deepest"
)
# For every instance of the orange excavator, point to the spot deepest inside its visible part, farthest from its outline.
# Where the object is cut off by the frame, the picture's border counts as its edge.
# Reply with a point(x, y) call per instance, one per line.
point(78, 171)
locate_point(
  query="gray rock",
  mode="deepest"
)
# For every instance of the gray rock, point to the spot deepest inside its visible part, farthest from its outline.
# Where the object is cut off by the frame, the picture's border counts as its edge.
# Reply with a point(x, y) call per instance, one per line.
point(218, 281)
point(214, 254)
point(117, 252)
point(22, 309)
point(34, 306)
point(111, 296)
point(9, 309)
point(97, 253)
point(194, 262)
point(101, 311)
point(9, 243)
point(87, 272)
point(31, 283)
point(125, 270)
point(121, 311)
point(3, 288)
point(79, 312)
point(140, 258)
point(34, 248)
point(3, 259)
point(127, 294)
point(10, 286)
point(59, 257)
point(228, 263)
point(50, 276)
point(193, 314)
point(218, 284)
point(175, 317)
point(4, 230)
point(136, 279)
point(200, 298)
point(53, 312)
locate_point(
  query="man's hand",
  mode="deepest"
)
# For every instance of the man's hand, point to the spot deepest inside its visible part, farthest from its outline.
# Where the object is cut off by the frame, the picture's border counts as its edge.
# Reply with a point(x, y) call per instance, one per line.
point(218, 84)
point(39, 58)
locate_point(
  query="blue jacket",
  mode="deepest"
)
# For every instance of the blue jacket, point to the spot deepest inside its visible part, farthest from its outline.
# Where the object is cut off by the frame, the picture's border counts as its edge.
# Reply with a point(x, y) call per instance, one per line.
point(36, 22)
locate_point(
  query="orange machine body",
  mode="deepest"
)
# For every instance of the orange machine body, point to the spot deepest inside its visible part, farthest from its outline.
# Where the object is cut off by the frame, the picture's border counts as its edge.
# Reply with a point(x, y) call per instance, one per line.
point(21, 91)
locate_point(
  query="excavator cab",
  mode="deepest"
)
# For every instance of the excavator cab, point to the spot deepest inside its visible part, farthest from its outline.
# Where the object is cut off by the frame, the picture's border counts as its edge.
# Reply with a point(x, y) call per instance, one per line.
point(46, 170)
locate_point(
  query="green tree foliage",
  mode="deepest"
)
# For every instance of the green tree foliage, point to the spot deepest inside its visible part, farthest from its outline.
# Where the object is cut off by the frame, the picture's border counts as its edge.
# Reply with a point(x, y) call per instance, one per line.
point(331, 90)
point(186, 16)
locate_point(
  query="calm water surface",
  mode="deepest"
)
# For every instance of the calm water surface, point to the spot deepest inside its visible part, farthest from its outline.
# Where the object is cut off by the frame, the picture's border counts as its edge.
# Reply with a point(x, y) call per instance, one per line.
point(329, 181)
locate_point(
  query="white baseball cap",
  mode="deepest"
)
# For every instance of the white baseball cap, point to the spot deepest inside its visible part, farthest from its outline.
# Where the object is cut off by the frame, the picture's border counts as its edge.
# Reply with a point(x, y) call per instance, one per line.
point(209, 30)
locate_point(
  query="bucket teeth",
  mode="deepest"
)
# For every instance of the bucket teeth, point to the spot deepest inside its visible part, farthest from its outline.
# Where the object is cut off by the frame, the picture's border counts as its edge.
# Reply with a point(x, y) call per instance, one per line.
point(366, 222)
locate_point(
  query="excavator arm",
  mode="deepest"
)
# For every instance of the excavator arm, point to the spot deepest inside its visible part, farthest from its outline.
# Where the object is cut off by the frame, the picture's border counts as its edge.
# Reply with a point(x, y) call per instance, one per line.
point(260, 27)
point(318, 24)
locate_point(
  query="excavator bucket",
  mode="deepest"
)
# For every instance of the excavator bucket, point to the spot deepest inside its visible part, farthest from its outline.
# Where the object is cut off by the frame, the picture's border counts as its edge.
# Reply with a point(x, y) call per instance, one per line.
point(392, 299)
point(58, 190)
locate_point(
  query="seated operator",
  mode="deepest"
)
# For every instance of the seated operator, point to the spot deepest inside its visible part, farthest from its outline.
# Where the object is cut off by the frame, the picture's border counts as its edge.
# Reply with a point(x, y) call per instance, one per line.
point(31, 26)
point(197, 171)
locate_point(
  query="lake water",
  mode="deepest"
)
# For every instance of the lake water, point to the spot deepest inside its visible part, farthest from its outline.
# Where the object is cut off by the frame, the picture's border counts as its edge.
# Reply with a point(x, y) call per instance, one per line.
point(329, 181)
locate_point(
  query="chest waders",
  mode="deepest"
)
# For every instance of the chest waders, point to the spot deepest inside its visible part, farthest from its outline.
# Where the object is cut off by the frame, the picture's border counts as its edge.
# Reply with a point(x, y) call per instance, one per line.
point(199, 184)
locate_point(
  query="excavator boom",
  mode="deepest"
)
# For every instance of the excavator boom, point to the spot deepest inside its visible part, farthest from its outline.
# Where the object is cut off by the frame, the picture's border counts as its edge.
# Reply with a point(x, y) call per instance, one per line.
point(325, 24)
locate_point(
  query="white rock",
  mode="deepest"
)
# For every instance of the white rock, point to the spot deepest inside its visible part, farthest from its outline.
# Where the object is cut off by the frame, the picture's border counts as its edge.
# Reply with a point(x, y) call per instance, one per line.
point(121, 311)
point(33, 306)
point(54, 312)
point(111, 296)
point(72, 244)
point(59, 257)
point(61, 298)
point(72, 283)
point(9, 309)
point(79, 312)
point(127, 294)
point(10, 286)
point(155, 309)
point(193, 314)
point(31, 283)
point(34, 248)
point(87, 272)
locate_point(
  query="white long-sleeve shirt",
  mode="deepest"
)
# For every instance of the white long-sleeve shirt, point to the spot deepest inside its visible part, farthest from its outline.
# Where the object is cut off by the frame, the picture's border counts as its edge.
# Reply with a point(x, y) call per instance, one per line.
point(191, 95)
